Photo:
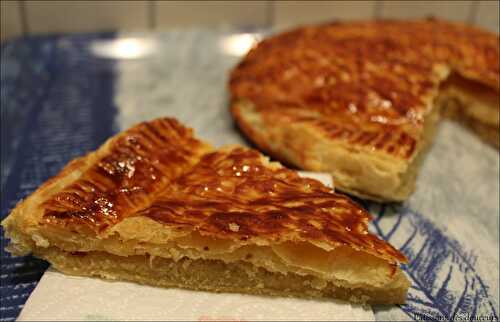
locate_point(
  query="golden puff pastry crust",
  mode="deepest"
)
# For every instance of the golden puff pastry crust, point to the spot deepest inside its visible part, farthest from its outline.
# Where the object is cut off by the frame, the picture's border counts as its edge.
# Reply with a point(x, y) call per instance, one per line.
point(155, 205)
point(361, 99)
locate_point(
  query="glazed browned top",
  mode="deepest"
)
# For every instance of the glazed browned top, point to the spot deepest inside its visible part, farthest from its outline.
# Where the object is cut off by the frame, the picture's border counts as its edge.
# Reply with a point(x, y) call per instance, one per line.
point(367, 83)
point(126, 175)
point(158, 170)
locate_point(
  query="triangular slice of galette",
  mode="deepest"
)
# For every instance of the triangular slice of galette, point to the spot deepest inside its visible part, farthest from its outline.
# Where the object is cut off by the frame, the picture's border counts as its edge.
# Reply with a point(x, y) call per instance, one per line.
point(157, 206)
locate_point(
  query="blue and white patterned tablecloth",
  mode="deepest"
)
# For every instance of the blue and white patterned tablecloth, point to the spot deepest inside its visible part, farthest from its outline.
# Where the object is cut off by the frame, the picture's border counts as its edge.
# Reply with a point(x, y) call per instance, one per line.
point(56, 104)
point(64, 95)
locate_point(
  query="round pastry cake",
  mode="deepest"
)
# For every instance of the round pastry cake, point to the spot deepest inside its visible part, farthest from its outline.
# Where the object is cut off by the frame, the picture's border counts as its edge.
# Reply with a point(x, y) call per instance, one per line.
point(361, 100)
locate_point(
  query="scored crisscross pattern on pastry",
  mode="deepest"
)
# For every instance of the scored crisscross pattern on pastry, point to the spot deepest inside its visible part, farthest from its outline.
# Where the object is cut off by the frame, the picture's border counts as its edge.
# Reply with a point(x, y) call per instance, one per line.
point(369, 84)
point(160, 171)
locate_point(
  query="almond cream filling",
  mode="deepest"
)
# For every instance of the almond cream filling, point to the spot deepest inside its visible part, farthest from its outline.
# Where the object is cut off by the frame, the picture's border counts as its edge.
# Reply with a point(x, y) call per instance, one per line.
point(342, 264)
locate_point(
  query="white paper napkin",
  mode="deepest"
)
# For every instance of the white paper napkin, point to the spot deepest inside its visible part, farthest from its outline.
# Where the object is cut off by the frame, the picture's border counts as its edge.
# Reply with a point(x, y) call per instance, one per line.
point(60, 297)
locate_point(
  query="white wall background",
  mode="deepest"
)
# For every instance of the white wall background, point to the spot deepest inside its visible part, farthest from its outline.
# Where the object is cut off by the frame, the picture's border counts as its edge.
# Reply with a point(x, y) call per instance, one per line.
point(23, 17)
